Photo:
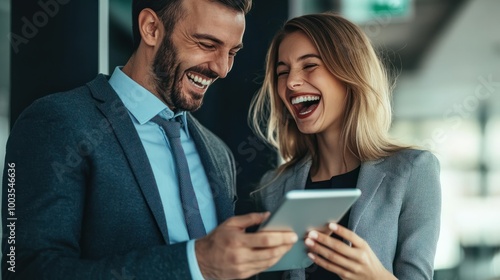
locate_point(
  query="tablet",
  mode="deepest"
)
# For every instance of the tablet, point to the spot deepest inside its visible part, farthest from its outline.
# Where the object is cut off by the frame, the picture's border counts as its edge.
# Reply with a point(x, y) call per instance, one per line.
point(302, 211)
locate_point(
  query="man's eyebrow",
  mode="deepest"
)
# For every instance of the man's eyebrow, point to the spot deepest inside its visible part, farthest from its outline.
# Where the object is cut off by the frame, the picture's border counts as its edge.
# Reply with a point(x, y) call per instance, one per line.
point(303, 57)
point(215, 40)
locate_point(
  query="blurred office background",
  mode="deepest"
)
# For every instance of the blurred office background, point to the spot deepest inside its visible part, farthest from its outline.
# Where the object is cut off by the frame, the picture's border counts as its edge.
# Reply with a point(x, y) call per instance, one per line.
point(447, 97)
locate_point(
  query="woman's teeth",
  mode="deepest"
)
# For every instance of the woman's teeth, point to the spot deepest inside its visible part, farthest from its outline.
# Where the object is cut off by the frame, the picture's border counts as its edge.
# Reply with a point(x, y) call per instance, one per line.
point(304, 98)
point(306, 112)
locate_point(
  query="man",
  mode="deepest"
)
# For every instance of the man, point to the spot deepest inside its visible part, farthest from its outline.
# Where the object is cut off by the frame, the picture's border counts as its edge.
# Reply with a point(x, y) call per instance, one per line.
point(96, 187)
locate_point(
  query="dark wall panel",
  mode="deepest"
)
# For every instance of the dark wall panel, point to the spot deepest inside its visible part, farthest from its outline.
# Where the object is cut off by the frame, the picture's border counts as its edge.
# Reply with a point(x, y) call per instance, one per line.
point(54, 47)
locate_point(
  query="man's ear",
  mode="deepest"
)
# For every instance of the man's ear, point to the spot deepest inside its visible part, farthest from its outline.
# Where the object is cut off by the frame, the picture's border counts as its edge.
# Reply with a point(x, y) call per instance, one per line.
point(150, 27)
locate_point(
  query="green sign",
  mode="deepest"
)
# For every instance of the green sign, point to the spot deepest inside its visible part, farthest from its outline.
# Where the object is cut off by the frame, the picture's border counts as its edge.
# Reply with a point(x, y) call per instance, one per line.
point(390, 7)
point(363, 11)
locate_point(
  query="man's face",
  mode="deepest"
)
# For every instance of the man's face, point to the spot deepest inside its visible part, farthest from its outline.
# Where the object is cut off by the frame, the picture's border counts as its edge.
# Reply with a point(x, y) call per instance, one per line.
point(200, 50)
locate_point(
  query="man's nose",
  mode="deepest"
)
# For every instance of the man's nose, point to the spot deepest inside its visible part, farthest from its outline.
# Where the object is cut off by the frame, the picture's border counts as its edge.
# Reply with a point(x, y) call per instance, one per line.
point(221, 64)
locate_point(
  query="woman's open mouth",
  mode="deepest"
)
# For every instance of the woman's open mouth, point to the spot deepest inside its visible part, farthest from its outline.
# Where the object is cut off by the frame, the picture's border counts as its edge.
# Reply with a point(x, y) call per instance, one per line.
point(305, 104)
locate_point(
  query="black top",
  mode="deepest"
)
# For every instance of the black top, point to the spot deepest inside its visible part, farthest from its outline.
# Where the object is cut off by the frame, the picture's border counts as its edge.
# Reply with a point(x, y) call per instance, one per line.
point(343, 181)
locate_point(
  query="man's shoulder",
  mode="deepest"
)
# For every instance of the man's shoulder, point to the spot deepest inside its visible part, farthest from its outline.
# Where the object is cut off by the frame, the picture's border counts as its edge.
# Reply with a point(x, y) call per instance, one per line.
point(80, 94)
point(74, 99)
point(70, 105)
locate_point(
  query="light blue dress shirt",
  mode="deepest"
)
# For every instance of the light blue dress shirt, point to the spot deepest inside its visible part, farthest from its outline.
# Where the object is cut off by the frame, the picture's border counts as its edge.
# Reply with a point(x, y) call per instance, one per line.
point(142, 106)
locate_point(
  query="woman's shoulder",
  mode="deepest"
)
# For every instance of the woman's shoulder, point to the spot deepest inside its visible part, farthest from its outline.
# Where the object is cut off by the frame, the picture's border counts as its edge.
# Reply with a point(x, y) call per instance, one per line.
point(409, 161)
point(411, 156)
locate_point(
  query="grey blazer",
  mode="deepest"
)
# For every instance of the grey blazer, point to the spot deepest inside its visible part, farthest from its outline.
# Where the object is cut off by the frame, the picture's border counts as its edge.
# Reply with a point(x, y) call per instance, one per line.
point(398, 213)
point(87, 203)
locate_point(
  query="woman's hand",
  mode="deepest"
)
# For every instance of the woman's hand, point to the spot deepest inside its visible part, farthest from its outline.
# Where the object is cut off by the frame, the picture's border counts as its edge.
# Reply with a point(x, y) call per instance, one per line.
point(356, 262)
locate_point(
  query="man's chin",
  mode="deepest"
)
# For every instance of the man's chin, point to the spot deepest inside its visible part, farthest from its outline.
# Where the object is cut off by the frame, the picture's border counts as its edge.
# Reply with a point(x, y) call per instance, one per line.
point(190, 105)
point(195, 108)
point(193, 101)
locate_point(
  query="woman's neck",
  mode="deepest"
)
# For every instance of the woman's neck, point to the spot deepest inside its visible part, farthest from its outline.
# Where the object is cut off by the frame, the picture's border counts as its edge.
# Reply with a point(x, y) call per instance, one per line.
point(333, 157)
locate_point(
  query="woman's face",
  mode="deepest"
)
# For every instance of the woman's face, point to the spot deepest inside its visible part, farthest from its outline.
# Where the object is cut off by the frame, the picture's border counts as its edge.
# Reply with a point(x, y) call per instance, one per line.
point(315, 98)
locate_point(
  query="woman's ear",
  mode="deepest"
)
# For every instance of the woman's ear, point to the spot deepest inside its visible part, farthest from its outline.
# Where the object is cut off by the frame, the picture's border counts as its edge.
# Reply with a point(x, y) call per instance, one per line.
point(150, 27)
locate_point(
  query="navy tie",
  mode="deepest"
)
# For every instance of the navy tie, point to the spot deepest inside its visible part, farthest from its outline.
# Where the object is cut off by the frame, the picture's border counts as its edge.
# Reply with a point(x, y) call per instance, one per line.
point(188, 198)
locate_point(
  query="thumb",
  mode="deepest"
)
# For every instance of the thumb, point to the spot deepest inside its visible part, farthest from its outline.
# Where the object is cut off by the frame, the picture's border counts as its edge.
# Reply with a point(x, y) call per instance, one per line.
point(248, 220)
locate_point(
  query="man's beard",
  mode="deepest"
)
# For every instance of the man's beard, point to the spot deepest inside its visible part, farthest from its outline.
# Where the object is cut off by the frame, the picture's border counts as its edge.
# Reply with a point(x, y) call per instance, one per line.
point(168, 79)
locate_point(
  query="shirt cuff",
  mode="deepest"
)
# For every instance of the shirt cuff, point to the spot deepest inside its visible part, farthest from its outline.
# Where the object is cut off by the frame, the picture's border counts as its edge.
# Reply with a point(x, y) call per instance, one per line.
point(193, 262)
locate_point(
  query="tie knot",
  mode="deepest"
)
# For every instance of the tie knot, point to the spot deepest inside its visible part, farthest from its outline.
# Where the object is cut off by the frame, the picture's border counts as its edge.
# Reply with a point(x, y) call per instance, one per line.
point(171, 127)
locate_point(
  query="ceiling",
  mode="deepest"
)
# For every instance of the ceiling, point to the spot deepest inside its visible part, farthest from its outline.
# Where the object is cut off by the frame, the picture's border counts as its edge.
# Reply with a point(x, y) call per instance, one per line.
point(402, 37)
point(453, 70)
point(406, 41)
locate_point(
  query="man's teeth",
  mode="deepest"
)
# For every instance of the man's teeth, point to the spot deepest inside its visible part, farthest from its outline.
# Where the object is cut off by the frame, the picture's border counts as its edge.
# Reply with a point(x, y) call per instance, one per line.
point(304, 98)
point(199, 80)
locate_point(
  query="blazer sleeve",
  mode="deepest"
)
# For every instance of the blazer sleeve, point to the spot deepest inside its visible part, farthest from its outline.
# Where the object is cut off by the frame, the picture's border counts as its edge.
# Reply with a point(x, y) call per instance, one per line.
point(419, 220)
point(49, 209)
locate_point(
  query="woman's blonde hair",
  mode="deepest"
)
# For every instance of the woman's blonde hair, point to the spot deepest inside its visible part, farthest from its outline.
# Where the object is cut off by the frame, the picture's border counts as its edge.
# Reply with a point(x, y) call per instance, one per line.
point(350, 57)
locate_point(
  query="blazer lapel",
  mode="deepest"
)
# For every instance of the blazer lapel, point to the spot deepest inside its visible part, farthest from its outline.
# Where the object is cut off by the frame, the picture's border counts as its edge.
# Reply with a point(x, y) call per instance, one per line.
point(370, 179)
point(117, 115)
point(299, 177)
point(219, 178)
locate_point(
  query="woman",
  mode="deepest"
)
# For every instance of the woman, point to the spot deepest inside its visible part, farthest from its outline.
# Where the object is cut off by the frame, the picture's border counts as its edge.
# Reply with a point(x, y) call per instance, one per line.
point(325, 105)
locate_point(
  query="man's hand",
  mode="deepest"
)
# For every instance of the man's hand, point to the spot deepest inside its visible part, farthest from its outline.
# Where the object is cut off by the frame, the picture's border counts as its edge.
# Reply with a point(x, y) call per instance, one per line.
point(228, 252)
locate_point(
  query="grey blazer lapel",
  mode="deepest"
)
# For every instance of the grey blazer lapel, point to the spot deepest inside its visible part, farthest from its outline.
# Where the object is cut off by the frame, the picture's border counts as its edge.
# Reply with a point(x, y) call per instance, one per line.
point(298, 182)
point(298, 179)
point(117, 115)
point(220, 180)
point(289, 180)
point(369, 180)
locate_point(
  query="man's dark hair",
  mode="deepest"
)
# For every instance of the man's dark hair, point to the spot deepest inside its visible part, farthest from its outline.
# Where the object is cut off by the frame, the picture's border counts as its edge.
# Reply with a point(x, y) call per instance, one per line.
point(170, 11)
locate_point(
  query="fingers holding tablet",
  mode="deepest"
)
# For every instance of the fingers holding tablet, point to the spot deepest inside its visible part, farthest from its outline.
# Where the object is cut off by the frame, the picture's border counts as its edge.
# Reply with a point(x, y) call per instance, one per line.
point(350, 262)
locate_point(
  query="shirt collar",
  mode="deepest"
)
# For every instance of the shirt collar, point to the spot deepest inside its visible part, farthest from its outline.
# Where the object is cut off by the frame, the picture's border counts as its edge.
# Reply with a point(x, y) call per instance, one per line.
point(141, 103)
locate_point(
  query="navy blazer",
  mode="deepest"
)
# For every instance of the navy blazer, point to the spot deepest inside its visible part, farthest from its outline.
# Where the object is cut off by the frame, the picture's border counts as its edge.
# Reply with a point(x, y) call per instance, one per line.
point(398, 212)
point(87, 204)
